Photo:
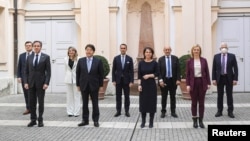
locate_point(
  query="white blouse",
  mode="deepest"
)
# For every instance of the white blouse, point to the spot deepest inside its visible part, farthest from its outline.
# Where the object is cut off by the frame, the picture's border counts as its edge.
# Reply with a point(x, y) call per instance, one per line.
point(197, 68)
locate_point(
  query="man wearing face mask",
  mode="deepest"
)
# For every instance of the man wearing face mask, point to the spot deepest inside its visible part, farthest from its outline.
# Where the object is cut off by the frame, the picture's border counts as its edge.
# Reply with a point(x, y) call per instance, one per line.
point(224, 74)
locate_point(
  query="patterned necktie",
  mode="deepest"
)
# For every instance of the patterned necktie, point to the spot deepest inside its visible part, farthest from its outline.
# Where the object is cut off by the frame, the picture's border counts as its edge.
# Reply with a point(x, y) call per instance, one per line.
point(223, 64)
point(36, 61)
point(169, 68)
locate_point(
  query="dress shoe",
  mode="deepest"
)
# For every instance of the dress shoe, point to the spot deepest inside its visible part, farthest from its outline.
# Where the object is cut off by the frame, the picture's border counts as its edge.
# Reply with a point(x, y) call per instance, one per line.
point(127, 114)
point(174, 115)
point(32, 123)
point(83, 123)
point(70, 115)
point(142, 124)
point(26, 112)
point(40, 124)
point(162, 115)
point(96, 124)
point(218, 114)
point(117, 114)
point(76, 115)
point(150, 125)
point(231, 115)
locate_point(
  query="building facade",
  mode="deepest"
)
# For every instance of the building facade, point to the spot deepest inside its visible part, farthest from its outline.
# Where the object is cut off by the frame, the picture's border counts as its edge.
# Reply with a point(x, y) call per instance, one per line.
point(108, 23)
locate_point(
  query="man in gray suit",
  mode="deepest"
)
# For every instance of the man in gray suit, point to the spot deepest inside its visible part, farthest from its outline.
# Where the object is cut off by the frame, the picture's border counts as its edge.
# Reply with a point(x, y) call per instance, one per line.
point(89, 79)
point(36, 79)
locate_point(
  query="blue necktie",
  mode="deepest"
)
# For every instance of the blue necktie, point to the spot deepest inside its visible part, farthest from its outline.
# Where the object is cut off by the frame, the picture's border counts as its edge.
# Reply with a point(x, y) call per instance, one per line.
point(36, 60)
point(89, 64)
point(223, 64)
point(169, 68)
point(123, 61)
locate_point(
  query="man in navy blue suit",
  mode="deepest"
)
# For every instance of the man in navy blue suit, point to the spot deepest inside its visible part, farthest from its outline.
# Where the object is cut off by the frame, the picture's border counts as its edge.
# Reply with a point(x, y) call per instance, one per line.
point(89, 79)
point(20, 73)
point(36, 80)
point(123, 79)
point(225, 74)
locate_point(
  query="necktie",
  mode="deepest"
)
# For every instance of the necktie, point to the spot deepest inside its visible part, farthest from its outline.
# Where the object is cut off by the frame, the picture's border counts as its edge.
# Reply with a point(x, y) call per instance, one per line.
point(36, 60)
point(169, 68)
point(123, 61)
point(89, 64)
point(27, 54)
point(223, 64)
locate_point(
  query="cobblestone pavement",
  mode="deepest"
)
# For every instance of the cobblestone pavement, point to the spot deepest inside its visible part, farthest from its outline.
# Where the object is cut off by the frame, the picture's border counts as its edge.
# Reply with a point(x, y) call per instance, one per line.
point(60, 127)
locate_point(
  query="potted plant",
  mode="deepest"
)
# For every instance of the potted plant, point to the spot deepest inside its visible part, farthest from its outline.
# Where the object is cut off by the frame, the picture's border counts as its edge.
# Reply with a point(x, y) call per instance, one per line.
point(106, 69)
point(183, 86)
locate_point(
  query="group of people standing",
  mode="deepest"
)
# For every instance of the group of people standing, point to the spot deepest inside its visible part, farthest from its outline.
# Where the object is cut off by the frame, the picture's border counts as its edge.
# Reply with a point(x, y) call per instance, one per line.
point(85, 75)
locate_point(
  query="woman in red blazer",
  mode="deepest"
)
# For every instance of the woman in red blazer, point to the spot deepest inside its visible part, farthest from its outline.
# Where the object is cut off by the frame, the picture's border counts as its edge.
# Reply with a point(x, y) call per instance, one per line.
point(198, 81)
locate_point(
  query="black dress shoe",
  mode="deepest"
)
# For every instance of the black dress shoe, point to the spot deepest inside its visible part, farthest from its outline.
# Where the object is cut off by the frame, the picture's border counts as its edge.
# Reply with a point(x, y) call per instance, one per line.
point(162, 115)
point(117, 114)
point(40, 124)
point(32, 123)
point(127, 114)
point(83, 123)
point(231, 115)
point(218, 114)
point(142, 125)
point(174, 115)
point(96, 124)
point(150, 125)
point(70, 115)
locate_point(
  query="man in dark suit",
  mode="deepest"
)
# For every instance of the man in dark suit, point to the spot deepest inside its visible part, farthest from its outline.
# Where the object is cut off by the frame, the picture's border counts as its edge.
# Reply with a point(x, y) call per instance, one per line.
point(123, 79)
point(20, 73)
point(36, 79)
point(89, 79)
point(169, 78)
point(225, 74)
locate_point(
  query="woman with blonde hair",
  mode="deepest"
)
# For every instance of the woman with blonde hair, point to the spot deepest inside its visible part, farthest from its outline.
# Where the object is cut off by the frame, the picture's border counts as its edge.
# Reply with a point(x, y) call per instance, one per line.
point(198, 81)
point(73, 95)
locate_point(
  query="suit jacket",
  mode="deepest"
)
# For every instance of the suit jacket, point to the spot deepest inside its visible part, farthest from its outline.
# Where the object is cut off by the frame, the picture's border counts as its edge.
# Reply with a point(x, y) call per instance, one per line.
point(21, 65)
point(70, 74)
point(204, 73)
point(232, 67)
point(127, 73)
point(175, 68)
point(94, 78)
point(37, 77)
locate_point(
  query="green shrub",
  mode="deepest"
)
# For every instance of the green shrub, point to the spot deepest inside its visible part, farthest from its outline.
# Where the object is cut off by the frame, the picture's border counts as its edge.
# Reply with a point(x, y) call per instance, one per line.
point(105, 64)
point(182, 61)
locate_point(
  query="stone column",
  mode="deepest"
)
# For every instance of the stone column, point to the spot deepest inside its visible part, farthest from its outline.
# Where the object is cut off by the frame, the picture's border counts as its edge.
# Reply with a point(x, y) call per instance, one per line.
point(113, 31)
point(146, 30)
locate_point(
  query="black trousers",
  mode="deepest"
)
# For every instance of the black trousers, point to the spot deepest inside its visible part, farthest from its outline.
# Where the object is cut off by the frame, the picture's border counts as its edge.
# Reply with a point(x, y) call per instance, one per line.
point(229, 92)
point(170, 88)
point(126, 89)
point(26, 96)
point(34, 95)
point(85, 109)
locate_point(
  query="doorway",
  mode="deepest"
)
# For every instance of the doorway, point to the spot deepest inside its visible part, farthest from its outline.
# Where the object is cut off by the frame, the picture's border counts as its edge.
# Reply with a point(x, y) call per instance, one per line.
point(235, 30)
point(56, 36)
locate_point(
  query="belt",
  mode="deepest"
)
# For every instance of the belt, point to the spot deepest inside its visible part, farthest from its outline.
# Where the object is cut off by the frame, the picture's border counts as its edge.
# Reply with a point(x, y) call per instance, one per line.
point(168, 77)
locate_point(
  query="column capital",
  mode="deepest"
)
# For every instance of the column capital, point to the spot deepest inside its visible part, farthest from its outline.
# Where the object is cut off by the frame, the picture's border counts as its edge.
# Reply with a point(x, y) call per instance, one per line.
point(113, 9)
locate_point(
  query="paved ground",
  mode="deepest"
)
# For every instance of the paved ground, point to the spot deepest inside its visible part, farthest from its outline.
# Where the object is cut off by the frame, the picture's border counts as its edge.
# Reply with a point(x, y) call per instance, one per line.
point(60, 127)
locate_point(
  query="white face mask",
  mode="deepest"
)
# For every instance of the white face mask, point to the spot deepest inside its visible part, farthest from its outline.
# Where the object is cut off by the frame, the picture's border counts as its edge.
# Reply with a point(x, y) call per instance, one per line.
point(224, 50)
